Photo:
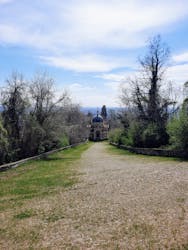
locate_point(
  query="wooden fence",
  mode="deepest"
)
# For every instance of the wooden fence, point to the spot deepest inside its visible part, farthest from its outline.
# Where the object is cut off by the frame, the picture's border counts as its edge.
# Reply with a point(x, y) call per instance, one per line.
point(15, 164)
point(154, 151)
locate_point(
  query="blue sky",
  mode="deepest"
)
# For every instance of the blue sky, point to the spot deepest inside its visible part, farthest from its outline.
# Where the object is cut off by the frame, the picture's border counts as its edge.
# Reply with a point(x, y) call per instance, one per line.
point(90, 47)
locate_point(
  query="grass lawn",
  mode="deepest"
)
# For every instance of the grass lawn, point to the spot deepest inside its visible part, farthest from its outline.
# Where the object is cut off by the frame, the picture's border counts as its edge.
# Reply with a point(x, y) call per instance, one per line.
point(114, 150)
point(24, 188)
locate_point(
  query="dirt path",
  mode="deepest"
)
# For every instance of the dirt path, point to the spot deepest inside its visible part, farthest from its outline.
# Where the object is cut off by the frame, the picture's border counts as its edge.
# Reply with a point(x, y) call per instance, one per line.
point(122, 202)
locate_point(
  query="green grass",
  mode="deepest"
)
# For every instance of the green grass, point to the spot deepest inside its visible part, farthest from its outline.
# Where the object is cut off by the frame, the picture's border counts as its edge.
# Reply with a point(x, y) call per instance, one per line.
point(39, 178)
point(184, 247)
point(54, 217)
point(114, 150)
point(141, 228)
point(25, 214)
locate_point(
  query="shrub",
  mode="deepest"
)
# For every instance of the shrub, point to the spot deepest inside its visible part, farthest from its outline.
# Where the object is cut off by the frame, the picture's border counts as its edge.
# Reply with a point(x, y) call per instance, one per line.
point(178, 131)
point(150, 136)
point(3, 144)
point(64, 141)
point(126, 140)
point(140, 135)
point(134, 134)
point(115, 135)
point(154, 136)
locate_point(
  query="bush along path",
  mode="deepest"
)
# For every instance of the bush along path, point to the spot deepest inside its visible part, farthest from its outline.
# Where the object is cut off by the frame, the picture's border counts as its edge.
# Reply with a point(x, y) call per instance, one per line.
point(108, 199)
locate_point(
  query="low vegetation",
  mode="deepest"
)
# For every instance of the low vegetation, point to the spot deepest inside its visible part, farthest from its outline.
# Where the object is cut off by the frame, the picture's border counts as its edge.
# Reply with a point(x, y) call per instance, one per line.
point(118, 151)
point(40, 177)
point(34, 183)
point(178, 129)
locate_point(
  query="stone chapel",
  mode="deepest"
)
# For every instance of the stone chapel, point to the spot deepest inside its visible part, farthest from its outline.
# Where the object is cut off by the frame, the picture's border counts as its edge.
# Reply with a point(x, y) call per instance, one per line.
point(99, 128)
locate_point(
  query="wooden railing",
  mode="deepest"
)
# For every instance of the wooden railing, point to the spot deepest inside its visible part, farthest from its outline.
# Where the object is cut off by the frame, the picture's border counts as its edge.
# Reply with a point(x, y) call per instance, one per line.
point(154, 151)
point(15, 164)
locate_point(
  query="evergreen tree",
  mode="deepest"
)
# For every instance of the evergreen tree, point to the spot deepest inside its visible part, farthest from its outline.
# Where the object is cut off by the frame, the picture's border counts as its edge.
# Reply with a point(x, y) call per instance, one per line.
point(104, 112)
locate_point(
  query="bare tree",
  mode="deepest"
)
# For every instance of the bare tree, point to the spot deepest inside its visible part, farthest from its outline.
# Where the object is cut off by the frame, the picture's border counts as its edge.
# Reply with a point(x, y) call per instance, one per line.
point(147, 99)
point(75, 123)
point(43, 99)
point(45, 110)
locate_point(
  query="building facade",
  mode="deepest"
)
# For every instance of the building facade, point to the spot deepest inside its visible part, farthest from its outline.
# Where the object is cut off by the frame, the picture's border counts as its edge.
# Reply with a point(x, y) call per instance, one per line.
point(99, 128)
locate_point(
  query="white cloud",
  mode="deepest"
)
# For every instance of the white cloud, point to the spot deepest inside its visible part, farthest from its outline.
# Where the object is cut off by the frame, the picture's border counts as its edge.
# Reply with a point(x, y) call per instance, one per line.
point(120, 23)
point(12, 34)
point(90, 24)
point(77, 87)
point(5, 1)
point(113, 77)
point(84, 63)
point(86, 36)
point(113, 85)
point(178, 73)
point(119, 77)
point(9, 34)
point(181, 57)
point(80, 29)
point(92, 96)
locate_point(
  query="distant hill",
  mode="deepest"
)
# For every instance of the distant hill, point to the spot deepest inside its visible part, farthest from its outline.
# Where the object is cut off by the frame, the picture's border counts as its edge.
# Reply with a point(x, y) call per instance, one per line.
point(93, 110)
point(85, 110)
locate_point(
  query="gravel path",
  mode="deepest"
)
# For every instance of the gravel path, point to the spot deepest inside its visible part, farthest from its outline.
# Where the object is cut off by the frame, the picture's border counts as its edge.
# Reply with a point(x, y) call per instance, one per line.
point(122, 202)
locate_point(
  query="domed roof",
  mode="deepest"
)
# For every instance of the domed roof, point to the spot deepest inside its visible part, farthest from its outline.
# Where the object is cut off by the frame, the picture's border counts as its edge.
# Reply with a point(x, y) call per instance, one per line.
point(97, 118)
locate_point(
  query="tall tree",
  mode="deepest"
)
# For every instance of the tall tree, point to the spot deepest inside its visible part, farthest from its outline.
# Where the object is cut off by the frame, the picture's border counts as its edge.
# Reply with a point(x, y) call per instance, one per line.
point(185, 90)
point(14, 104)
point(45, 109)
point(147, 97)
point(43, 99)
point(104, 112)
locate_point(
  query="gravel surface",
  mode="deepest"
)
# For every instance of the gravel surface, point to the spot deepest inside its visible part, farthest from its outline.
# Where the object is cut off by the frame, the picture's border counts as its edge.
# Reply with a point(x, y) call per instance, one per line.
point(122, 202)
